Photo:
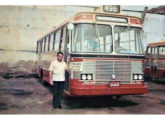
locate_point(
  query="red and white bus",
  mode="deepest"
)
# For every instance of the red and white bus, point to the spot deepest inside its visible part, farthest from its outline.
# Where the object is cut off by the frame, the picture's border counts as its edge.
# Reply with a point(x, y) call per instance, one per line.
point(155, 61)
point(104, 50)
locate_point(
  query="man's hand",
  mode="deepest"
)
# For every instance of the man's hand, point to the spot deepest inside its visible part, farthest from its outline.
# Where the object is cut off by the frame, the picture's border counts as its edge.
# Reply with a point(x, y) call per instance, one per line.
point(51, 83)
point(68, 71)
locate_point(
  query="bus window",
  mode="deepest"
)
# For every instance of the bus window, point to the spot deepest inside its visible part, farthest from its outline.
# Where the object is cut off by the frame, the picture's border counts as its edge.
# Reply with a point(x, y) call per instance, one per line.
point(37, 51)
point(54, 39)
point(148, 51)
point(41, 44)
point(108, 40)
point(154, 50)
point(92, 38)
point(61, 38)
point(162, 51)
point(51, 42)
point(57, 41)
point(128, 40)
point(46, 43)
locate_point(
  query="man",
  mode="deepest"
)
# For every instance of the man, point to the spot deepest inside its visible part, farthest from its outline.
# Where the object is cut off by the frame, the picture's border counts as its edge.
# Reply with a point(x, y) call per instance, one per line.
point(57, 72)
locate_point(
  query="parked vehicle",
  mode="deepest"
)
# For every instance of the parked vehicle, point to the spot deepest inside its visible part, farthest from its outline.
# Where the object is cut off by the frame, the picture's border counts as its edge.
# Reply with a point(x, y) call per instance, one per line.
point(104, 51)
point(154, 67)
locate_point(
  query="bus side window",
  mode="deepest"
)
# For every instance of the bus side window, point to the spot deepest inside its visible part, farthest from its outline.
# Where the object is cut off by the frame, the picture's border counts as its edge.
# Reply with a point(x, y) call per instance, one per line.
point(37, 47)
point(148, 52)
point(156, 51)
point(61, 38)
point(48, 43)
point(162, 51)
point(41, 48)
point(57, 41)
point(54, 40)
point(44, 44)
point(51, 42)
point(152, 50)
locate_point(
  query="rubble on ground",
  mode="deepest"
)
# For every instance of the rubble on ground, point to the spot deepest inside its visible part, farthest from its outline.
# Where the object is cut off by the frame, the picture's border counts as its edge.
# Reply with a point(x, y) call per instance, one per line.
point(22, 65)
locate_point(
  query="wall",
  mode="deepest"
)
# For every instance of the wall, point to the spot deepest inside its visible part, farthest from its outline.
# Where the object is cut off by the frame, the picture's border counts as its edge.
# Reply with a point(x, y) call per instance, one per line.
point(22, 26)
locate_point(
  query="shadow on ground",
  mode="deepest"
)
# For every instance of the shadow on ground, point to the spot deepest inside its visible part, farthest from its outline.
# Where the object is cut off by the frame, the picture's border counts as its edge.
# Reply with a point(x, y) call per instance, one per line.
point(96, 102)
point(92, 102)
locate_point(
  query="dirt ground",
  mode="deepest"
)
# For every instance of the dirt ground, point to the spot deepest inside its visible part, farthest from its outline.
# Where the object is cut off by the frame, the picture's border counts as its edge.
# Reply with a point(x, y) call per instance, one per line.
point(21, 92)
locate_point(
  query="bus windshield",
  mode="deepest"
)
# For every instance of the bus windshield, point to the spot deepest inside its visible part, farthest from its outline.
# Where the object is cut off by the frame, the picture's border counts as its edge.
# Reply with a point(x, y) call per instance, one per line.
point(92, 38)
point(128, 40)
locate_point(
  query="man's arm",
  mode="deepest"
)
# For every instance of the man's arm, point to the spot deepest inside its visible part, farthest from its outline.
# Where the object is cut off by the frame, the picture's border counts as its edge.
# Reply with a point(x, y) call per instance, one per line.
point(50, 77)
point(67, 68)
point(51, 73)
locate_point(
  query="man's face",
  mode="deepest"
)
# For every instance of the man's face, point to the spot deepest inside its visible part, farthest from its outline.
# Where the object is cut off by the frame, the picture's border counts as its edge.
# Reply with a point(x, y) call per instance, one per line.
point(60, 57)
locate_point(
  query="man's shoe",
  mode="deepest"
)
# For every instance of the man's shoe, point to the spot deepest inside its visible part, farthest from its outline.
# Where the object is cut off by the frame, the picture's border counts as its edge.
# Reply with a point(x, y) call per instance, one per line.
point(60, 107)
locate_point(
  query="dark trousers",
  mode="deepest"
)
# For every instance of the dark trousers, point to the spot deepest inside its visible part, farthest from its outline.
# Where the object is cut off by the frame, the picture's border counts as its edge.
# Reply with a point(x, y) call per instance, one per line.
point(57, 92)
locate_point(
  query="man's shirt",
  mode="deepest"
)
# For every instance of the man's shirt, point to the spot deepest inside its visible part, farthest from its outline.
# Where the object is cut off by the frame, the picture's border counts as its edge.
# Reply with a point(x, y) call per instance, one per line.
point(58, 69)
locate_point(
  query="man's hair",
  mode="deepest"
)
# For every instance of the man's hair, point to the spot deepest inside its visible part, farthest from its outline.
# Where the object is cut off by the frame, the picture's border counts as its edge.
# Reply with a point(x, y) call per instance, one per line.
point(60, 53)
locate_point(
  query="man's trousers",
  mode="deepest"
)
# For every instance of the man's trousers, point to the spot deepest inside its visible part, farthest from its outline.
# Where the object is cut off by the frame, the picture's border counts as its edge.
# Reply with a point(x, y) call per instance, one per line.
point(58, 87)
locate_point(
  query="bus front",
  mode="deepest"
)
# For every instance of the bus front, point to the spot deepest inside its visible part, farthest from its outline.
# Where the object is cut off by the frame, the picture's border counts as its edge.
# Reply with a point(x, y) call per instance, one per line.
point(106, 55)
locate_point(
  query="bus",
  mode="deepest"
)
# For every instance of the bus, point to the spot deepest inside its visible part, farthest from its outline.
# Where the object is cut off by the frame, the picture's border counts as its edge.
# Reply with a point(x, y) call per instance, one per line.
point(104, 52)
point(154, 67)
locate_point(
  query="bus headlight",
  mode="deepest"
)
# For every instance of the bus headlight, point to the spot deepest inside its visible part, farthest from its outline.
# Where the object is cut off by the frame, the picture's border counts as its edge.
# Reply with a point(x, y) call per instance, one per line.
point(89, 77)
point(137, 76)
point(83, 77)
point(86, 77)
point(140, 77)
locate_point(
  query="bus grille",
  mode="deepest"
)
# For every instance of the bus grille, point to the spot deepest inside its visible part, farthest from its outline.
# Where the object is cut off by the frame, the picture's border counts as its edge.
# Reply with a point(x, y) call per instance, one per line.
point(103, 70)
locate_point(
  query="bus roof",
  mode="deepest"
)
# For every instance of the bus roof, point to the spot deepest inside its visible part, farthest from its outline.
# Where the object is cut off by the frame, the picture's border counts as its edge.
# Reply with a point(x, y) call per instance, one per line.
point(105, 14)
point(156, 43)
point(73, 19)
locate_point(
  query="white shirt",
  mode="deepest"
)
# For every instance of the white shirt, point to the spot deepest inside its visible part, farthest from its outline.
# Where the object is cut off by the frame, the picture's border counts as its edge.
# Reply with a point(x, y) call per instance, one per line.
point(58, 69)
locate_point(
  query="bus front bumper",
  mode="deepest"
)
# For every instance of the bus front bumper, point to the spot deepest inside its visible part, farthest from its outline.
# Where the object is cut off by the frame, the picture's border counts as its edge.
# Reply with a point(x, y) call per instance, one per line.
point(106, 90)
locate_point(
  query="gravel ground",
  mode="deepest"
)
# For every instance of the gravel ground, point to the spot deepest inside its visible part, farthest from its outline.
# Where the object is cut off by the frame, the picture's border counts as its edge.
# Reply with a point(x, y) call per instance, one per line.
point(21, 92)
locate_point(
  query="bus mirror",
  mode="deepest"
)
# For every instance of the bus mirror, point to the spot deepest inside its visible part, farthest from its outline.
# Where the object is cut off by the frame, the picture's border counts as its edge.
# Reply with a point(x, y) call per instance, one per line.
point(70, 26)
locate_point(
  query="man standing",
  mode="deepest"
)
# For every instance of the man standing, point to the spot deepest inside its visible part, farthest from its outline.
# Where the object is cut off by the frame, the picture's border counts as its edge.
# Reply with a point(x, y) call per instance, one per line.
point(57, 72)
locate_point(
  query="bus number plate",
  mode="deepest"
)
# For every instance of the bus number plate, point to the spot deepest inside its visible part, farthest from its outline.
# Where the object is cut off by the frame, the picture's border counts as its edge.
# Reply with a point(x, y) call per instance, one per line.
point(114, 84)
